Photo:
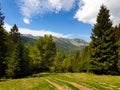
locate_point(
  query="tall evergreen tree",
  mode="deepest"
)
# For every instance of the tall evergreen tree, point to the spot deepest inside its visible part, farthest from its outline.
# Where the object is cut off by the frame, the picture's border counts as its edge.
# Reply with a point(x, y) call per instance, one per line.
point(103, 49)
point(15, 35)
point(12, 59)
point(3, 45)
point(19, 66)
point(117, 38)
point(22, 59)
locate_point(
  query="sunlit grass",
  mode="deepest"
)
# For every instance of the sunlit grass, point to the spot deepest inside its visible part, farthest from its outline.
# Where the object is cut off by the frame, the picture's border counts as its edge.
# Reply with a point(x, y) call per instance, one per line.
point(38, 82)
point(35, 83)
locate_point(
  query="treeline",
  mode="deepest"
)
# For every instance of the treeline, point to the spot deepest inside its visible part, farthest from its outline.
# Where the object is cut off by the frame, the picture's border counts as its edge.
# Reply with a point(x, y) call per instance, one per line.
point(101, 56)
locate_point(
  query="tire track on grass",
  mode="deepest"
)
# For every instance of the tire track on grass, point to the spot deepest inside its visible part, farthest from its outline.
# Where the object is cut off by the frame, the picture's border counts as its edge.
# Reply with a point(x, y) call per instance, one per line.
point(81, 87)
point(59, 87)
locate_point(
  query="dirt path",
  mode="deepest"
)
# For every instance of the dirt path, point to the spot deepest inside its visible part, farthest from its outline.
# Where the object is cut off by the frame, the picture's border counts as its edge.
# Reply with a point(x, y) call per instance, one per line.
point(81, 87)
point(59, 87)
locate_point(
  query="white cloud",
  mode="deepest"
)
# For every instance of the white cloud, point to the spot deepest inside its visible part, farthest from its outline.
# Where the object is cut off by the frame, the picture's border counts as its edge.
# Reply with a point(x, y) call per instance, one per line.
point(43, 32)
point(26, 21)
point(37, 32)
point(31, 8)
point(88, 10)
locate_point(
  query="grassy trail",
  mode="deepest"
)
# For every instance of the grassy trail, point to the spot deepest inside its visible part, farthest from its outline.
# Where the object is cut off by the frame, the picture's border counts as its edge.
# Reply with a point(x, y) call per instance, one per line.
point(80, 87)
point(59, 87)
point(62, 81)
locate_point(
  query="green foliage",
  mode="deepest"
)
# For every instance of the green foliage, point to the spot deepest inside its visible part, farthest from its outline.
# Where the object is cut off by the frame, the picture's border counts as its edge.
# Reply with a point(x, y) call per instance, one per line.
point(43, 54)
point(47, 50)
point(23, 61)
point(57, 64)
point(10, 60)
point(67, 64)
point(84, 60)
point(103, 49)
point(17, 61)
point(102, 56)
point(117, 38)
point(35, 61)
point(15, 35)
point(76, 62)
point(3, 45)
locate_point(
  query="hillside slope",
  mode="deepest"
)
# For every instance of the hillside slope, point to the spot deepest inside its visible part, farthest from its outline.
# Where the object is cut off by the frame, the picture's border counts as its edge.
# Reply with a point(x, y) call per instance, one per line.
point(64, 45)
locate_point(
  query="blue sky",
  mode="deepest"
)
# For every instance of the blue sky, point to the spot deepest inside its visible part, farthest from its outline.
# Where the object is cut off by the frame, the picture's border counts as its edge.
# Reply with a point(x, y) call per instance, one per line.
point(61, 18)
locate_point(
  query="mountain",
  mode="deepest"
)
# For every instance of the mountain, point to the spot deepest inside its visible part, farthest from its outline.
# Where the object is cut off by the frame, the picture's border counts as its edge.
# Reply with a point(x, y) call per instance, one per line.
point(64, 45)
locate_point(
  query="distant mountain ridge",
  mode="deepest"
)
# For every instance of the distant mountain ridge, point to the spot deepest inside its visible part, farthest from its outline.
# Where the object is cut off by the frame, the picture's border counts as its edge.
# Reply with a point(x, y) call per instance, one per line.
point(64, 45)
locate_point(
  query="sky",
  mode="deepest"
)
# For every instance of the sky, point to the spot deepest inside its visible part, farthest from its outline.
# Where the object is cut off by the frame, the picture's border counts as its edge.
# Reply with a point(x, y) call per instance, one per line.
point(61, 18)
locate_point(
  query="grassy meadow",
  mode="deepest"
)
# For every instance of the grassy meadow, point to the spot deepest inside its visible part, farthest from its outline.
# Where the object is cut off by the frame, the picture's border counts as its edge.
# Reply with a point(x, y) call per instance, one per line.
point(62, 81)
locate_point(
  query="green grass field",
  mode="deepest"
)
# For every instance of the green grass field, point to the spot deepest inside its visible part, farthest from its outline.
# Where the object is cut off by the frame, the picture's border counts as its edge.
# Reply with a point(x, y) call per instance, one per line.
point(62, 81)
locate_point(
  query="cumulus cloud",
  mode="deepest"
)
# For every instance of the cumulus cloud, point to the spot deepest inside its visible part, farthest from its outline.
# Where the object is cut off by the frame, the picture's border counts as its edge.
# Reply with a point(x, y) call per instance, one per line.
point(31, 8)
point(26, 21)
point(38, 32)
point(88, 10)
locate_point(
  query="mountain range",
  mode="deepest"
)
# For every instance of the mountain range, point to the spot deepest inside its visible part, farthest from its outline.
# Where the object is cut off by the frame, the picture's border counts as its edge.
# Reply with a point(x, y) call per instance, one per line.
point(64, 45)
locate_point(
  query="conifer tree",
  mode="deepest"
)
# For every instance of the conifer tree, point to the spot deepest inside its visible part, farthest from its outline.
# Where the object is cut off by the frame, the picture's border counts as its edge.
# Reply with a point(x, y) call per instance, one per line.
point(117, 39)
point(103, 48)
point(3, 45)
point(22, 59)
point(12, 59)
point(15, 35)
point(20, 63)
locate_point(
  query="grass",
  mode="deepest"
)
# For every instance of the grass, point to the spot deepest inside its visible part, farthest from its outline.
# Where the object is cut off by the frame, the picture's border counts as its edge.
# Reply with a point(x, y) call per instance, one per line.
point(63, 83)
point(26, 84)
point(38, 82)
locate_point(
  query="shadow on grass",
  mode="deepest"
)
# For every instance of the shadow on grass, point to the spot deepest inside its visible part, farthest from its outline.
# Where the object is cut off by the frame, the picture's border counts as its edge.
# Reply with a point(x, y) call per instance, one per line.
point(43, 74)
point(3, 80)
point(31, 76)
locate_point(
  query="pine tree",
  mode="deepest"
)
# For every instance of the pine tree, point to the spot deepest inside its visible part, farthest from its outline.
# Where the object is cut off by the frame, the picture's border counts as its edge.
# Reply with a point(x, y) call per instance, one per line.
point(12, 59)
point(117, 39)
point(3, 46)
point(18, 66)
point(15, 35)
point(22, 59)
point(103, 49)
point(11, 63)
